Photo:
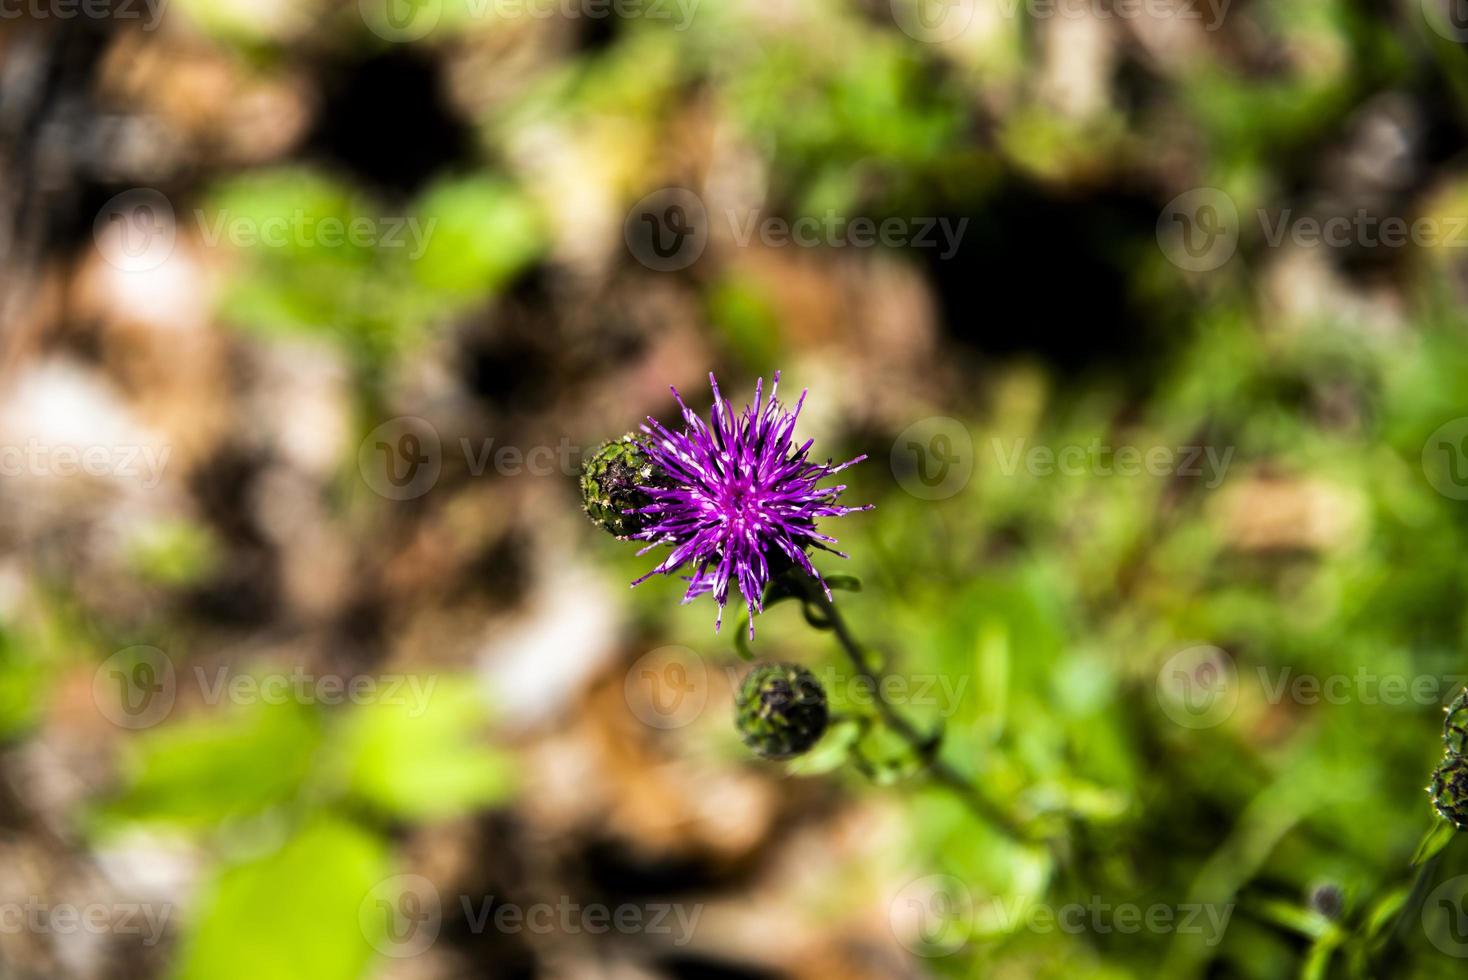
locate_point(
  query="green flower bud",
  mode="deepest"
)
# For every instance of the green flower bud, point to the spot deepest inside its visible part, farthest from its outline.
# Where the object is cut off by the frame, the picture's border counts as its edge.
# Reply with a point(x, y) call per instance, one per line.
point(609, 481)
point(1455, 725)
point(1449, 789)
point(780, 710)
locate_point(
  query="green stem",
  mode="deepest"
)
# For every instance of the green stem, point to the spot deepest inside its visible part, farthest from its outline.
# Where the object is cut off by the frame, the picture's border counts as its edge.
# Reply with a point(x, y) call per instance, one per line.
point(924, 746)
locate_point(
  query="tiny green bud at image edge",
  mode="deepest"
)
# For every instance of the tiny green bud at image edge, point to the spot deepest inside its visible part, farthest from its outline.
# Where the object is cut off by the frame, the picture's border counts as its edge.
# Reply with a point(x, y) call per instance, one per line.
point(1455, 725)
point(1449, 789)
point(1449, 784)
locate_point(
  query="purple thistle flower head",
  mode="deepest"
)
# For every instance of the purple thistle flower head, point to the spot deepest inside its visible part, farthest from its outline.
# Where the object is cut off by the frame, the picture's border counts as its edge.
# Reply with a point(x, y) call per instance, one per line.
point(743, 498)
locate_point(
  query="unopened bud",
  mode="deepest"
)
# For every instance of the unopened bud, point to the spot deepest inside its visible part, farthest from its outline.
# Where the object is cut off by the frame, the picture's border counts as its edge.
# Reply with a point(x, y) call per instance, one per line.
point(781, 710)
point(610, 481)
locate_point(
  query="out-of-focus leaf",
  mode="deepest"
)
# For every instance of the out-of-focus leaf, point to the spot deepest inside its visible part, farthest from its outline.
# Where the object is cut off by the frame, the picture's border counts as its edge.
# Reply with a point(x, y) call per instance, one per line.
point(424, 754)
point(173, 552)
point(1433, 842)
point(290, 914)
point(22, 679)
point(198, 773)
point(830, 753)
point(747, 318)
point(477, 233)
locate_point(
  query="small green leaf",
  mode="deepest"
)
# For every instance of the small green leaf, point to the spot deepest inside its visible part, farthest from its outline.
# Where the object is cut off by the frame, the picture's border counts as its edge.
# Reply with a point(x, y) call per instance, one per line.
point(1384, 914)
point(1439, 837)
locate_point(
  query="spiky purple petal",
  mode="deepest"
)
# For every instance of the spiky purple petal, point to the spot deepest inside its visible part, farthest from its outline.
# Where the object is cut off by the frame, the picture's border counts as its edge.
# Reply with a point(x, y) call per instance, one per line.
point(742, 495)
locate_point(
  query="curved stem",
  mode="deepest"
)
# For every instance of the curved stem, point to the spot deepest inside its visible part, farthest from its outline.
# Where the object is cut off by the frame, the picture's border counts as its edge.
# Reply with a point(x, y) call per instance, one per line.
point(925, 747)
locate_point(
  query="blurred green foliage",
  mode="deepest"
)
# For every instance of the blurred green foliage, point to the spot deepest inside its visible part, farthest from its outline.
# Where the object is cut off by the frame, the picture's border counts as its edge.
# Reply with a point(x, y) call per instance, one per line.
point(301, 801)
point(1056, 598)
point(319, 259)
point(304, 896)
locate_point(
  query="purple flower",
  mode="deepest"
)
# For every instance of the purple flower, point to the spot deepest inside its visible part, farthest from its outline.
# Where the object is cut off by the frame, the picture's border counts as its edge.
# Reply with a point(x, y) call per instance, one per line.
point(743, 501)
